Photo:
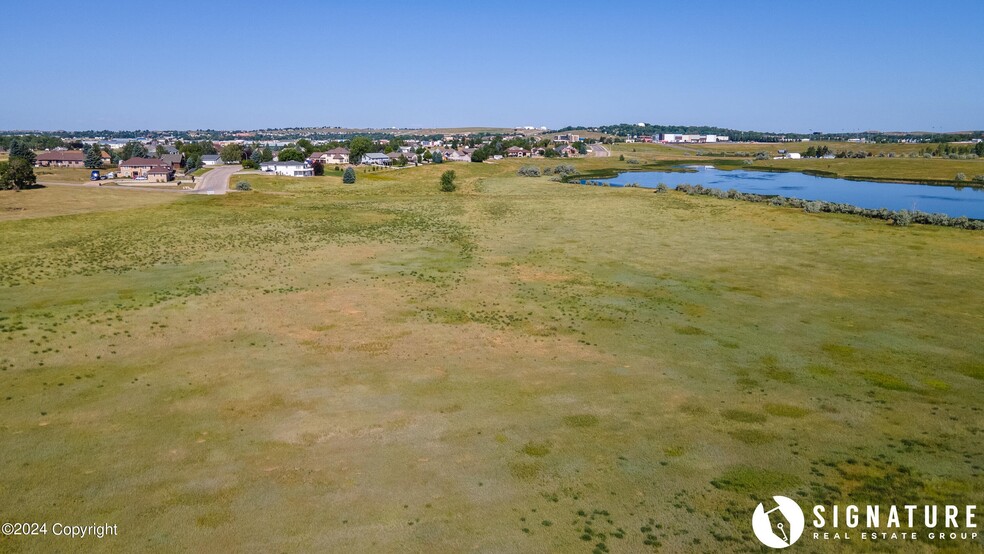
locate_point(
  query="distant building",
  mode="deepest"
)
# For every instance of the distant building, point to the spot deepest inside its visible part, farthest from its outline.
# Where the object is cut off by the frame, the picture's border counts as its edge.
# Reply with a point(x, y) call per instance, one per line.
point(517, 152)
point(212, 159)
point(289, 169)
point(61, 158)
point(567, 138)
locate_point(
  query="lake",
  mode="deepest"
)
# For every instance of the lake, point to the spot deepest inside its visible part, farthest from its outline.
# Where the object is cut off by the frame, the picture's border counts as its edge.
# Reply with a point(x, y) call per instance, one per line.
point(952, 201)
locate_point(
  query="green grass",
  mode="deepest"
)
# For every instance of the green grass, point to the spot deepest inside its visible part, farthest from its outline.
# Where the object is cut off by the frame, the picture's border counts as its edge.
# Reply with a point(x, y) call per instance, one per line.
point(384, 367)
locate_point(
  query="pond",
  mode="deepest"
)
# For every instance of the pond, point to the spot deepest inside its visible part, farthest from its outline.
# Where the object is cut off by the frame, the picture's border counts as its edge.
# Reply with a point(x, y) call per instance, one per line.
point(952, 201)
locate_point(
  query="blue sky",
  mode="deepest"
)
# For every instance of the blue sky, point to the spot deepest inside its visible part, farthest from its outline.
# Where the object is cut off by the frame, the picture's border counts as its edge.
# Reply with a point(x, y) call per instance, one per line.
point(784, 66)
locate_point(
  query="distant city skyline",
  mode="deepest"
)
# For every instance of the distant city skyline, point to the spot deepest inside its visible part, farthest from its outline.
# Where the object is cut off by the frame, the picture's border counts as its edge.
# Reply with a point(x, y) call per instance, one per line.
point(766, 66)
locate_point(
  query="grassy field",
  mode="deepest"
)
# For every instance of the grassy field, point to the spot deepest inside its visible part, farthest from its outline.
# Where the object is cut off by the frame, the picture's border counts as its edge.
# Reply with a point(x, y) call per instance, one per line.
point(520, 366)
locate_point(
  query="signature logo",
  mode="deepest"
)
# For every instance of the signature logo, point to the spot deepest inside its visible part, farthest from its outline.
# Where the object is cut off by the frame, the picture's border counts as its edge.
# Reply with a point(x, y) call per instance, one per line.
point(780, 526)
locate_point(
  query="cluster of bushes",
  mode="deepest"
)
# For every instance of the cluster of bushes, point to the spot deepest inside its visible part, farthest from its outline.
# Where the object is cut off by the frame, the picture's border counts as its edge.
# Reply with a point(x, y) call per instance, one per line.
point(563, 170)
point(900, 217)
point(243, 186)
point(963, 177)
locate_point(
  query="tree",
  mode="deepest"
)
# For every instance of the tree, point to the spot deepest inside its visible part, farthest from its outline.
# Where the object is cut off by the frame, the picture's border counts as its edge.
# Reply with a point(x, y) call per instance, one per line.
point(447, 181)
point(437, 157)
point(16, 174)
point(582, 148)
point(93, 158)
point(358, 147)
point(160, 151)
point(480, 155)
point(133, 149)
point(349, 176)
point(426, 156)
point(402, 160)
point(194, 162)
point(250, 164)
point(256, 156)
point(290, 155)
point(319, 168)
point(305, 146)
point(232, 152)
point(20, 150)
point(267, 155)
point(979, 148)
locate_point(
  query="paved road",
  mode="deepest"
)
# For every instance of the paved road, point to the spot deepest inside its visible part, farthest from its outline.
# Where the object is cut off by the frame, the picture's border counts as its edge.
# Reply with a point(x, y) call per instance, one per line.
point(216, 181)
point(599, 151)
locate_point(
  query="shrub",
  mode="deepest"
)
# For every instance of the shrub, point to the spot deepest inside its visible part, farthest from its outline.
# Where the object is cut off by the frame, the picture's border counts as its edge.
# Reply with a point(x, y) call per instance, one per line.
point(447, 181)
point(250, 164)
point(349, 176)
point(979, 178)
point(902, 218)
point(565, 170)
point(243, 186)
point(812, 207)
point(529, 171)
point(960, 177)
point(662, 187)
point(621, 157)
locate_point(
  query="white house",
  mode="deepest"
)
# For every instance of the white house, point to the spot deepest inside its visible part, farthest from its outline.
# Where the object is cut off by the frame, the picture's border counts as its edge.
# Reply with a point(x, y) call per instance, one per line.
point(212, 159)
point(375, 158)
point(290, 169)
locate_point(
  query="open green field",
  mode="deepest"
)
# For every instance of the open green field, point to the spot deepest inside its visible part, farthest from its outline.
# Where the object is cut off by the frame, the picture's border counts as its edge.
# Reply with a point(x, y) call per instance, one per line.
point(519, 366)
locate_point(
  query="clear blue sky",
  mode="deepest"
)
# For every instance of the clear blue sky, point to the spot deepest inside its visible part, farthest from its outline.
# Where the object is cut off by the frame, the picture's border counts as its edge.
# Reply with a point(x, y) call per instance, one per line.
point(784, 66)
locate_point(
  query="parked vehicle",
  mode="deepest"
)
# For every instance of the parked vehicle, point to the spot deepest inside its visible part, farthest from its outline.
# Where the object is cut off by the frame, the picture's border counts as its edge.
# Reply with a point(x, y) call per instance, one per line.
point(111, 175)
point(94, 176)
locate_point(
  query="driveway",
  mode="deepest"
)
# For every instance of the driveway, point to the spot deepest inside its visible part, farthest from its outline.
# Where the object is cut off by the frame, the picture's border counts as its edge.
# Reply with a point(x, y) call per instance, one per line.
point(216, 181)
point(599, 151)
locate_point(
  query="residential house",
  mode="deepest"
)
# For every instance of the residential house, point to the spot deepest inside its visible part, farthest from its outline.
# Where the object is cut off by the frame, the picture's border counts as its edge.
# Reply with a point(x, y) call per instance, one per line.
point(335, 156)
point(61, 158)
point(517, 152)
point(567, 151)
point(375, 158)
point(139, 167)
point(106, 158)
point(290, 169)
point(211, 159)
point(456, 156)
point(174, 161)
point(160, 174)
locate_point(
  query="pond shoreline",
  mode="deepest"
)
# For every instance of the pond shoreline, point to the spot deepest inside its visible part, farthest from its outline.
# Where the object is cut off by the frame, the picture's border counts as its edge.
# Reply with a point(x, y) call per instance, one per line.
point(679, 166)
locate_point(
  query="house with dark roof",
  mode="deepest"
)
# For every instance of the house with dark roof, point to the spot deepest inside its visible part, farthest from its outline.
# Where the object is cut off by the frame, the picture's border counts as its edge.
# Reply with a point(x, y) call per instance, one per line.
point(60, 158)
point(174, 161)
point(140, 167)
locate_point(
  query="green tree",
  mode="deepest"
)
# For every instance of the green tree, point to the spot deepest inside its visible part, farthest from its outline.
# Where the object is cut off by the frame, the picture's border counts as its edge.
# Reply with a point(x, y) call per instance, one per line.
point(305, 146)
point(194, 162)
point(437, 157)
point(160, 151)
point(979, 148)
point(447, 181)
point(290, 155)
point(349, 176)
point(232, 152)
point(319, 168)
point(16, 174)
point(93, 158)
point(133, 149)
point(426, 156)
point(359, 147)
point(20, 150)
point(267, 155)
point(256, 156)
